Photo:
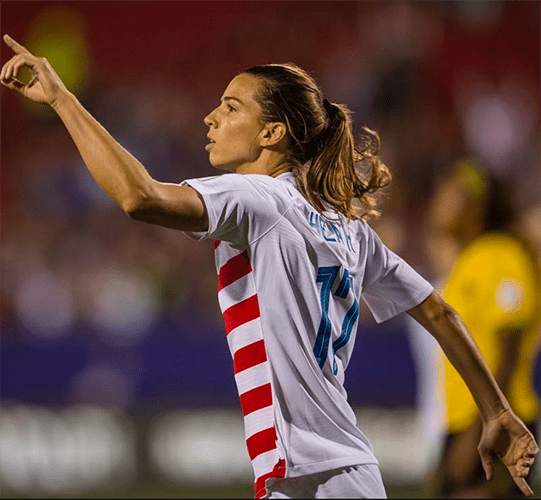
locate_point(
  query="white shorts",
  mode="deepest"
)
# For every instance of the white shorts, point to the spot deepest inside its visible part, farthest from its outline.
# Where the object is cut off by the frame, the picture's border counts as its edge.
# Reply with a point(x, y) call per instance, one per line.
point(357, 481)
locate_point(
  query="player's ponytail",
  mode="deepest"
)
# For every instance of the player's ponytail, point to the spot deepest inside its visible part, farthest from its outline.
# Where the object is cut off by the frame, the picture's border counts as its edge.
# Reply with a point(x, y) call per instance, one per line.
point(328, 165)
point(341, 172)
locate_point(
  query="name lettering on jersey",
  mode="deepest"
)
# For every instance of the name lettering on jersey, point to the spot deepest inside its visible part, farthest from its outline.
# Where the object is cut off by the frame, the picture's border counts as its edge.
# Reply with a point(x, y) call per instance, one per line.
point(330, 231)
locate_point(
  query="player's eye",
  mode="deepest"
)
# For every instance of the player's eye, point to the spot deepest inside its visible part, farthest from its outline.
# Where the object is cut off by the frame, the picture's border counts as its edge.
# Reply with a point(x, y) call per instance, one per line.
point(231, 108)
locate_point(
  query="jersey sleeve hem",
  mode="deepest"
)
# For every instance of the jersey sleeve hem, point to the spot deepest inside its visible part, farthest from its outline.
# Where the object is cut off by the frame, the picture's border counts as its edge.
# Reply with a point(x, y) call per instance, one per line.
point(315, 467)
point(210, 206)
point(397, 309)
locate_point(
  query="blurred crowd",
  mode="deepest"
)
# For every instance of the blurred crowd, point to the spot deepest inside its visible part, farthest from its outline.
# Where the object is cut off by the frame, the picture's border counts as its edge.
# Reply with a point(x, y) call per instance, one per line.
point(439, 81)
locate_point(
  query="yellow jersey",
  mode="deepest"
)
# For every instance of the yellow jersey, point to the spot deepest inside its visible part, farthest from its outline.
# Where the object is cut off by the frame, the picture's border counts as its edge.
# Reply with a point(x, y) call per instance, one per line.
point(495, 286)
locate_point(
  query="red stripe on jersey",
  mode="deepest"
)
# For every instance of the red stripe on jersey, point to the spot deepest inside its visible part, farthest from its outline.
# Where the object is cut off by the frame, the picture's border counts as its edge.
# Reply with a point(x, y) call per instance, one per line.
point(234, 269)
point(216, 243)
point(251, 355)
point(257, 398)
point(241, 313)
point(278, 471)
point(261, 442)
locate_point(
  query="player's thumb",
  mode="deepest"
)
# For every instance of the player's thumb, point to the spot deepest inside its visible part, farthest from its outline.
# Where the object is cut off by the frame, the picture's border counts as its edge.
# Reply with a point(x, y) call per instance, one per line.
point(487, 459)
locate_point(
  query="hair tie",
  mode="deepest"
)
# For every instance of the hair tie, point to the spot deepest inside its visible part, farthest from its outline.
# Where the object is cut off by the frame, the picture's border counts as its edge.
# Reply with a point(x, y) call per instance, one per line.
point(328, 107)
point(330, 110)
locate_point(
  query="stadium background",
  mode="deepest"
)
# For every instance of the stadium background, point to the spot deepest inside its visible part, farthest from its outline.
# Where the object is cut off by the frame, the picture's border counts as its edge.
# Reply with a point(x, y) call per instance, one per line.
point(115, 374)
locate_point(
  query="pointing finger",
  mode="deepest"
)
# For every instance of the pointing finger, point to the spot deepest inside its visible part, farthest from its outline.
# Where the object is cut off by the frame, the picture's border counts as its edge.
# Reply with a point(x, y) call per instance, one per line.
point(524, 486)
point(15, 46)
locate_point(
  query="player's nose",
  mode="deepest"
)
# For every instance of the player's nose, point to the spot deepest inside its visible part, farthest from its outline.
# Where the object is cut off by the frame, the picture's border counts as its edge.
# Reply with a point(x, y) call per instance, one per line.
point(210, 120)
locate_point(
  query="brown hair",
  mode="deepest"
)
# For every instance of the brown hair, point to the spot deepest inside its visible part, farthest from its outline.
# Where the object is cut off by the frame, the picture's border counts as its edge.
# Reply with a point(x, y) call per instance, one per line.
point(327, 163)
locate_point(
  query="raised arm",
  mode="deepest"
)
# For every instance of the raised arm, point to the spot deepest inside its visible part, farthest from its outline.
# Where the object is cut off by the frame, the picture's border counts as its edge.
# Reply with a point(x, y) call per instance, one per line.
point(117, 172)
point(504, 434)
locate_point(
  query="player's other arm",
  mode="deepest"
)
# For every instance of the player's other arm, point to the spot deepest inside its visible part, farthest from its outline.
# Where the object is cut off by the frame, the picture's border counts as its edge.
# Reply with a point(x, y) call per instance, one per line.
point(504, 434)
point(117, 172)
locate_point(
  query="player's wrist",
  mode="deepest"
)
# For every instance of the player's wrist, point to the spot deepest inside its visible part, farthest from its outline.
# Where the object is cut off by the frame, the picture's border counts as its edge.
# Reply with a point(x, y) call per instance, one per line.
point(496, 412)
point(62, 99)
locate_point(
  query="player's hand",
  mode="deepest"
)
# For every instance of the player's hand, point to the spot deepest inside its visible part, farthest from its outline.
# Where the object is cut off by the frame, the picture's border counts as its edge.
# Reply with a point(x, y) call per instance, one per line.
point(45, 85)
point(508, 438)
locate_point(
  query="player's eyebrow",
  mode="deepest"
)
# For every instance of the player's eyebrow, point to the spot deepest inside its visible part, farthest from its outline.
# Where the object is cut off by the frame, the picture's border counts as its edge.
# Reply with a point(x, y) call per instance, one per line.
point(231, 98)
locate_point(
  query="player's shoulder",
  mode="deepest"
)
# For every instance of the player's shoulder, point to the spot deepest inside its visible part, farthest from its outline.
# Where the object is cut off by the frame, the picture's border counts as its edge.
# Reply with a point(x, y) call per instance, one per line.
point(225, 181)
point(265, 195)
point(254, 185)
point(363, 229)
point(283, 182)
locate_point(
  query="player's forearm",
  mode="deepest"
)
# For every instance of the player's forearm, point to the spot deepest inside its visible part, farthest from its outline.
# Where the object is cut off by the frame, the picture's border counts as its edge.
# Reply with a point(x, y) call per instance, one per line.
point(118, 173)
point(447, 327)
point(460, 348)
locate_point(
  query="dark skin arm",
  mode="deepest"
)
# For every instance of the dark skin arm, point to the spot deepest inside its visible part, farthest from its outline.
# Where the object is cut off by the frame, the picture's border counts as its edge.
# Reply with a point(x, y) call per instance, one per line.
point(503, 434)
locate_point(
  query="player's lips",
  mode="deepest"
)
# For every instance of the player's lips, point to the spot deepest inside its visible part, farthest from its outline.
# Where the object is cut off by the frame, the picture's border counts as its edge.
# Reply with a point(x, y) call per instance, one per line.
point(210, 144)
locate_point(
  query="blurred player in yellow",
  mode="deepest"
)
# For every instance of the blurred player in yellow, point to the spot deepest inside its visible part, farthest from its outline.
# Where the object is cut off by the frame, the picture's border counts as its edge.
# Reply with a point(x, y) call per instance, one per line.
point(495, 286)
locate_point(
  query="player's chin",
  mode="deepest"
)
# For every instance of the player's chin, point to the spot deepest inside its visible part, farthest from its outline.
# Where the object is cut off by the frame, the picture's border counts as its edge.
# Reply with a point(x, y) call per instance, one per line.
point(214, 161)
point(219, 164)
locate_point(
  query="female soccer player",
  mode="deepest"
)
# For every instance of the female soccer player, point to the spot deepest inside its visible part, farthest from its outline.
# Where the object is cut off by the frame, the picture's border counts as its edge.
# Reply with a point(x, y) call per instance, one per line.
point(294, 255)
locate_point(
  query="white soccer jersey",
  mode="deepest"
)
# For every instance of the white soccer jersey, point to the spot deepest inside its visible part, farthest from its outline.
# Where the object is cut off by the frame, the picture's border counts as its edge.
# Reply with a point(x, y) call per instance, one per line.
point(289, 289)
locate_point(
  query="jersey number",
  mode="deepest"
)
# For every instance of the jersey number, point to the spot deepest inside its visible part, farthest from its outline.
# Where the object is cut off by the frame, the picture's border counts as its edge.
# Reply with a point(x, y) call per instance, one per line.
point(327, 276)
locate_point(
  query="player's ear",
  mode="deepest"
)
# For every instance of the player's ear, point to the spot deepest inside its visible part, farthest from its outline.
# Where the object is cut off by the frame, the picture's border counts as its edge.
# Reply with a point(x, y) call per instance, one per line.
point(273, 133)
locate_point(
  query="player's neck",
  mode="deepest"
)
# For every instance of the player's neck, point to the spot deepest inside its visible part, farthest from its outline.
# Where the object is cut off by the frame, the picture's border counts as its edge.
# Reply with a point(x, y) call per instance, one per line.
point(269, 163)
